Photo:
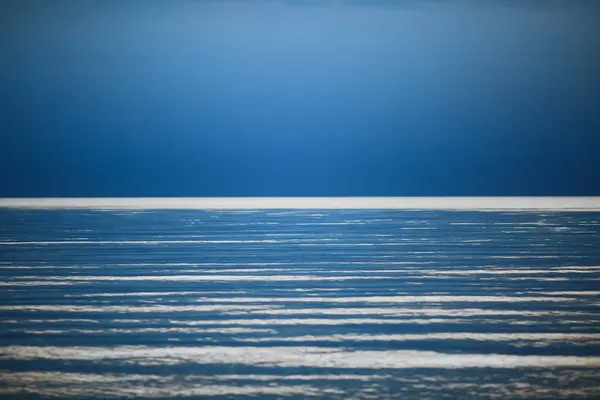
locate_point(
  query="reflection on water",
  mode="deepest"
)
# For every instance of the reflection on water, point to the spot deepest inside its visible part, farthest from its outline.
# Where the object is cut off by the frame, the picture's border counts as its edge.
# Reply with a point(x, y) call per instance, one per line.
point(336, 304)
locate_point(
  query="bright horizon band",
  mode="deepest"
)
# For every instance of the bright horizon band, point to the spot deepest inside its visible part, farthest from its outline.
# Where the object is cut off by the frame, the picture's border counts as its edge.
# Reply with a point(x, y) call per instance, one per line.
point(416, 203)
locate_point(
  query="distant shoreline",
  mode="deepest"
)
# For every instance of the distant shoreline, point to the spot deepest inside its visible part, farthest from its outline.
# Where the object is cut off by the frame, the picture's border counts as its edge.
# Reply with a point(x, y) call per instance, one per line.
point(248, 203)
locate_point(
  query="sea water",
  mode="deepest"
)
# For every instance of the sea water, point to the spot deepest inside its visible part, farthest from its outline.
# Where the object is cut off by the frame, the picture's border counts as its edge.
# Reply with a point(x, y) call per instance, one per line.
point(295, 304)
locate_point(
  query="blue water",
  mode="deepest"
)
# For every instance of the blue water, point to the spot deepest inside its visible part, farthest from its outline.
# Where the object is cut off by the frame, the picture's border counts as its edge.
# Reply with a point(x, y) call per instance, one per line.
point(332, 304)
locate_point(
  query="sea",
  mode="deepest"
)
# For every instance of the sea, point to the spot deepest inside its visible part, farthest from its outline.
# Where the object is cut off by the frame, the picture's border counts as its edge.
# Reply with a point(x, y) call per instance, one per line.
point(299, 304)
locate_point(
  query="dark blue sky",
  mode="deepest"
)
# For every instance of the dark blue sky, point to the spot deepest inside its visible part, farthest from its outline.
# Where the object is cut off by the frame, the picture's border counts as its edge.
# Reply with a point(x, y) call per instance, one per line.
point(299, 98)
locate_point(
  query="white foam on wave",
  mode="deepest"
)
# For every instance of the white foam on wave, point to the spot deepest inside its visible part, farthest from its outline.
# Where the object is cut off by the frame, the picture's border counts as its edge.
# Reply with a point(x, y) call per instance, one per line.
point(541, 338)
point(42, 267)
point(30, 377)
point(189, 278)
point(324, 318)
point(297, 263)
point(228, 330)
point(233, 302)
point(499, 271)
point(420, 311)
point(361, 320)
point(128, 309)
point(37, 283)
point(291, 357)
point(143, 242)
point(571, 293)
point(389, 299)
point(125, 389)
point(152, 294)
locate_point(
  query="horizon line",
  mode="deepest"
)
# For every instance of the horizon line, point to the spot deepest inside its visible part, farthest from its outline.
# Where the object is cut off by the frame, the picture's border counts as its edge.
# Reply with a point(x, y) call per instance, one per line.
point(497, 203)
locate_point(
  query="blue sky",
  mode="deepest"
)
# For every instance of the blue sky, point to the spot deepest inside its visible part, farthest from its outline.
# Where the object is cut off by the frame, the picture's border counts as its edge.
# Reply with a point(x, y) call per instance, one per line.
point(300, 98)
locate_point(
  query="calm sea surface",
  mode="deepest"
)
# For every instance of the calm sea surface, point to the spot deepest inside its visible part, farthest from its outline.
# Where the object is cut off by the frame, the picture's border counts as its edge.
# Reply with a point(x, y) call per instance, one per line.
point(295, 304)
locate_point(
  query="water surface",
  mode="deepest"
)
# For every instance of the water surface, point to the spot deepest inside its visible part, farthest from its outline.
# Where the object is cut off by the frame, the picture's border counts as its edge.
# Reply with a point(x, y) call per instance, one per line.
point(336, 304)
